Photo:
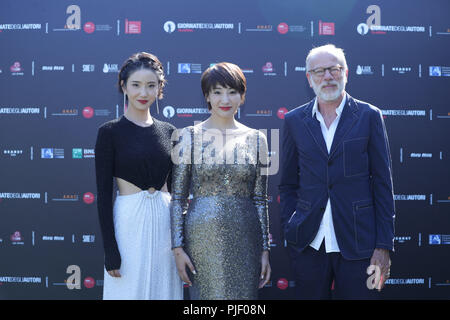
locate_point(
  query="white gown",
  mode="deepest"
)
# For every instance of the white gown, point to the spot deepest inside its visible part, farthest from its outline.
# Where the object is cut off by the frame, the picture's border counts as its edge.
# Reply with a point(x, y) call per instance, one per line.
point(148, 270)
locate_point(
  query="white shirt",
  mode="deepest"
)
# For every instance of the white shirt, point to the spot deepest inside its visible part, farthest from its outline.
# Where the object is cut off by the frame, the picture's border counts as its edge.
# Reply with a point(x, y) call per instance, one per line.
point(326, 229)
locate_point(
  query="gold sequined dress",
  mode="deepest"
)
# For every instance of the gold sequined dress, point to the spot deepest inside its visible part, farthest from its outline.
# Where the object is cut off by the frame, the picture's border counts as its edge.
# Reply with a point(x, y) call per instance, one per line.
point(224, 226)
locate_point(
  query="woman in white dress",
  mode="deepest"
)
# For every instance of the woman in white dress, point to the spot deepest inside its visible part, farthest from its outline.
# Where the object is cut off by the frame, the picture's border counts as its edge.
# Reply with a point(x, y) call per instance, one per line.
point(134, 150)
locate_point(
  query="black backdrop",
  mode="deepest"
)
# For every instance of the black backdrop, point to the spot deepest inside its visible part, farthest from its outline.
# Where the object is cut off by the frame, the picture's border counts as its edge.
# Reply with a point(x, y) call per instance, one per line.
point(58, 71)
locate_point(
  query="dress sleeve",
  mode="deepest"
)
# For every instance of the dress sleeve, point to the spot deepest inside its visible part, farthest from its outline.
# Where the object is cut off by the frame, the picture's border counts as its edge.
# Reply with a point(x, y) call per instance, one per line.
point(260, 192)
point(181, 180)
point(104, 169)
point(173, 138)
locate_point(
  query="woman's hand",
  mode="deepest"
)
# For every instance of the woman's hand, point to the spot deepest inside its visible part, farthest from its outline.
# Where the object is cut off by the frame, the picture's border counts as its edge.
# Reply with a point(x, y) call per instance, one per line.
point(182, 260)
point(265, 269)
point(114, 273)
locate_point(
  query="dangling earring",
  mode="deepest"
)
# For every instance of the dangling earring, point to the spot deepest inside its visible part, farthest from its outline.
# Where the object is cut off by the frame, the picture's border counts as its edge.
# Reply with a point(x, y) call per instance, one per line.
point(124, 99)
point(157, 98)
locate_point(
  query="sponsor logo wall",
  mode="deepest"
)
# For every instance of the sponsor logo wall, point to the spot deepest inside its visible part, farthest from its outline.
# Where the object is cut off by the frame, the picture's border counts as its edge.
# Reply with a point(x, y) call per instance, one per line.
point(58, 85)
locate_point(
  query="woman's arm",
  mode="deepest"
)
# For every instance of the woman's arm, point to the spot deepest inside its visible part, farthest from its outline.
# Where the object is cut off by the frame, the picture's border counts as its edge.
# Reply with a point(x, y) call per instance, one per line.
point(260, 191)
point(181, 179)
point(261, 203)
point(104, 169)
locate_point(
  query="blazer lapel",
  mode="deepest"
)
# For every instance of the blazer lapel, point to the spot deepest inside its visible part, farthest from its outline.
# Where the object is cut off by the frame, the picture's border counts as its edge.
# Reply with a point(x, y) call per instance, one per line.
point(348, 119)
point(313, 126)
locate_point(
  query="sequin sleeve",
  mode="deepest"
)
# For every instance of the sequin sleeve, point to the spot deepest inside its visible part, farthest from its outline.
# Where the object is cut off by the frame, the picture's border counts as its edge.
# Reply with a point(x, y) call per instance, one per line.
point(260, 192)
point(181, 180)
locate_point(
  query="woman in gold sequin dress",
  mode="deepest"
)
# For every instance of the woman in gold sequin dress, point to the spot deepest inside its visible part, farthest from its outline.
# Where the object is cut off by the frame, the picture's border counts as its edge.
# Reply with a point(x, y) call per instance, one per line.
point(220, 238)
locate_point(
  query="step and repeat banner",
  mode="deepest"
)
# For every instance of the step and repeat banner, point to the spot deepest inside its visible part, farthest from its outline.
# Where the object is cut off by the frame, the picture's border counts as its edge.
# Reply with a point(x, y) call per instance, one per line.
point(59, 63)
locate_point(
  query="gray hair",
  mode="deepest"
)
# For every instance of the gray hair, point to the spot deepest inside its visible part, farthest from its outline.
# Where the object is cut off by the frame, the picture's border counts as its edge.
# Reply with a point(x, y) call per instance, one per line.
point(328, 48)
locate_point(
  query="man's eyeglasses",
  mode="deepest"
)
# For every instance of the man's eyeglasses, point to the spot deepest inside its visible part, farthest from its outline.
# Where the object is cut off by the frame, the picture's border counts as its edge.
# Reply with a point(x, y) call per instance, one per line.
point(320, 72)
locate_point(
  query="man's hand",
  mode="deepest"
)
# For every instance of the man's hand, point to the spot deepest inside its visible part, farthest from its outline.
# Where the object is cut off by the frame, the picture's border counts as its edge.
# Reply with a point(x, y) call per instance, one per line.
point(381, 259)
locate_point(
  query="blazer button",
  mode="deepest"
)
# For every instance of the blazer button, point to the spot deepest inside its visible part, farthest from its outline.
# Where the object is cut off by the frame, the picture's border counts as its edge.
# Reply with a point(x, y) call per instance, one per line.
point(330, 186)
point(322, 209)
point(330, 162)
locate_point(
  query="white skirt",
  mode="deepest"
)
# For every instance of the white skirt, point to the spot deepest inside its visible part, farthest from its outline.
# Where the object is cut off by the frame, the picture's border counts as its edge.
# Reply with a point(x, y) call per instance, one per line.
point(148, 270)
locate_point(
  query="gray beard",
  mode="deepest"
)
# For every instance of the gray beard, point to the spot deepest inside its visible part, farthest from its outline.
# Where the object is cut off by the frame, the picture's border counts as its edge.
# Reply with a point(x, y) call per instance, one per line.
point(332, 95)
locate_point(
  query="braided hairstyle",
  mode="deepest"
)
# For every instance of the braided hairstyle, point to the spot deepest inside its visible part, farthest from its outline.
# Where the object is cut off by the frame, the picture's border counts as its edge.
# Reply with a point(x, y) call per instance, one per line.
point(142, 60)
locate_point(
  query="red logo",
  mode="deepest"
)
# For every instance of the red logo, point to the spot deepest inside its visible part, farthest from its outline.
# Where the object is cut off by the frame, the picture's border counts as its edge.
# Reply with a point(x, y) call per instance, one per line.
point(282, 284)
point(88, 112)
point(89, 27)
point(16, 67)
point(88, 198)
point(268, 67)
point(326, 28)
point(281, 112)
point(132, 27)
point(89, 282)
point(283, 28)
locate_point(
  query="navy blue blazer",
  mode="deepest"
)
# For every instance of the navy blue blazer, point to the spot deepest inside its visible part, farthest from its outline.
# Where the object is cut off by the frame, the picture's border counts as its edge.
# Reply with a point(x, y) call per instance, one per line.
point(356, 175)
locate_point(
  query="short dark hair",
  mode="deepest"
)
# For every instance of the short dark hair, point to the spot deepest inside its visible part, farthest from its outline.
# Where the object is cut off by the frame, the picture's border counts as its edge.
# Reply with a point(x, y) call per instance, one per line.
point(227, 75)
point(142, 60)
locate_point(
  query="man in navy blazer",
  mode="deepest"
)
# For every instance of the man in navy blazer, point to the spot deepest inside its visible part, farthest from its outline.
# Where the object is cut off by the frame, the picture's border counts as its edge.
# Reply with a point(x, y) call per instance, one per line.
point(336, 194)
